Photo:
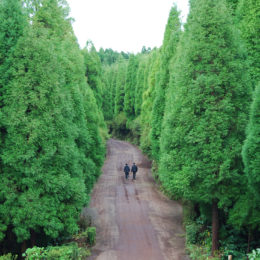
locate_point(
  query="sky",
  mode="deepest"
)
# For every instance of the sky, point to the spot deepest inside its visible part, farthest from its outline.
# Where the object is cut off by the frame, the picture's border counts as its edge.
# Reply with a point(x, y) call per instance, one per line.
point(123, 25)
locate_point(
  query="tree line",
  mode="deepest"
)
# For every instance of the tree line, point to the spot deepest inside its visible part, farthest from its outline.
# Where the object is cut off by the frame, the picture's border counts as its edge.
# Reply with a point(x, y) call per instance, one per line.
point(193, 106)
point(52, 129)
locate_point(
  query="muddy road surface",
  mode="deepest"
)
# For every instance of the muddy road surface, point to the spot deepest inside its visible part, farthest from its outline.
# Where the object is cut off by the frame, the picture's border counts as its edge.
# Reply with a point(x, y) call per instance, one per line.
point(134, 220)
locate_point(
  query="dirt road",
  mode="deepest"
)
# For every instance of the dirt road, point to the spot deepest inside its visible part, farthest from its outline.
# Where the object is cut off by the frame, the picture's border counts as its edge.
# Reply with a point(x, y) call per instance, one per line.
point(135, 221)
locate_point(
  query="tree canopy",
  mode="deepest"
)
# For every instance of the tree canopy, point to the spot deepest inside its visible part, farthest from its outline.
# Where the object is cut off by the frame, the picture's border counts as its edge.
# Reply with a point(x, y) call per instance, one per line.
point(52, 150)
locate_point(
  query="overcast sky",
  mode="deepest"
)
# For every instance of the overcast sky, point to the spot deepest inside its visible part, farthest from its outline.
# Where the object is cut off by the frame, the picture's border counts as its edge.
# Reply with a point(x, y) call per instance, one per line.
point(123, 25)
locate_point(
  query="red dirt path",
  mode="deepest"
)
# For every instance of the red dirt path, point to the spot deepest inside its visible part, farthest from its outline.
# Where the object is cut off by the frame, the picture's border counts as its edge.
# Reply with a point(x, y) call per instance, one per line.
point(135, 221)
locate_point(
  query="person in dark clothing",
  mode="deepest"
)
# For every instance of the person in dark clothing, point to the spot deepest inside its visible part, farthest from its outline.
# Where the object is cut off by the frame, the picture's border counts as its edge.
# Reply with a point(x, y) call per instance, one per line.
point(126, 170)
point(134, 170)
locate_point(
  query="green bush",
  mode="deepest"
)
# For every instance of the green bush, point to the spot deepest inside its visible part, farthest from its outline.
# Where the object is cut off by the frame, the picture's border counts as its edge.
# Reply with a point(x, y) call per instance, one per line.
point(255, 255)
point(8, 257)
point(232, 249)
point(35, 253)
point(66, 252)
point(91, 235)
point(233, 242)
point(200, 253)
point(192, 231)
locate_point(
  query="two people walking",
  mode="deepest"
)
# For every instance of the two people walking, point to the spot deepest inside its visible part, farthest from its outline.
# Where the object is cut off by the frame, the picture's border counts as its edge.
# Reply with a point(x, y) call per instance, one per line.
point(134, 170)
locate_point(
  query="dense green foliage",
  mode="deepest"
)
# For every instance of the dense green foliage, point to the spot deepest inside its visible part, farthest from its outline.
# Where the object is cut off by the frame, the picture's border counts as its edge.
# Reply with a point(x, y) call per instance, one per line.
point(109, 56)
point(12, 24)
point(10, 32)
point(248, 19)
point(73, 250)
point(171, 38)
point(66, 252)
point(52, 149)
point(140, 77)
point(251, 149)
point(131, 78)
point(250, 201)
point(93, 72)
point(207, 106)
point(233, 5)
point(151, 69)
point(187, 104)
point(108, 95)
point(120, 83)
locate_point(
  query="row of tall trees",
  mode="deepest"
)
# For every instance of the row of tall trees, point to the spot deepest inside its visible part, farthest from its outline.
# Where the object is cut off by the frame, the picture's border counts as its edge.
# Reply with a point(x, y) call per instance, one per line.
point(51, 123)
point(193, 106)
point(207, 109)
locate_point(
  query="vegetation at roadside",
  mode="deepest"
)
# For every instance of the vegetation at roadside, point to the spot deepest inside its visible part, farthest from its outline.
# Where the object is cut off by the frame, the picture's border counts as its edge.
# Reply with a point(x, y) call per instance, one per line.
point(65, 252)
point(79, 249)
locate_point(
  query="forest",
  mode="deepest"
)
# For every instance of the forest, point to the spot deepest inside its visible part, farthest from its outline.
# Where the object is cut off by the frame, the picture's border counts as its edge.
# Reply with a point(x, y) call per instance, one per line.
point(192, 106)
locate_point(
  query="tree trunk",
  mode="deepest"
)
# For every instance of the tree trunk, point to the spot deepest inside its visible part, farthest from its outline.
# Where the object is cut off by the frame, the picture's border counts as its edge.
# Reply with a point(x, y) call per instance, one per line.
point(33, 238)
point(215, 228)
point(248, 241)
point(23, 247)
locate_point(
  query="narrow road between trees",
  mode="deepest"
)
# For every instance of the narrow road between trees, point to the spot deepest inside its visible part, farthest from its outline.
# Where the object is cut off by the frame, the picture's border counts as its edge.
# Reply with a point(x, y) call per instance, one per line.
point(134, 220)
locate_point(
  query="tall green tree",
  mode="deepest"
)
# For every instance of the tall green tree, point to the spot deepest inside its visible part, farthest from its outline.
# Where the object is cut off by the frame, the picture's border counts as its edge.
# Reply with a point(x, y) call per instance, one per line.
point(53, 151)
point(93, 71)
point(150, 79)
point(107, 97)
point(251, 158)
point(171, 39)
point(129, 98)
point(140, 84)
point(113, 83)
point(245, 212)
point(206, 112)
point(120, 87)
point(12, 26)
